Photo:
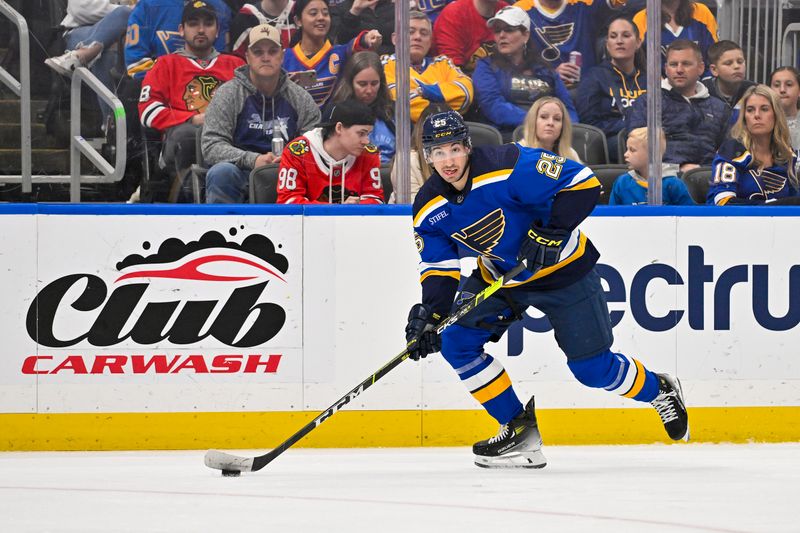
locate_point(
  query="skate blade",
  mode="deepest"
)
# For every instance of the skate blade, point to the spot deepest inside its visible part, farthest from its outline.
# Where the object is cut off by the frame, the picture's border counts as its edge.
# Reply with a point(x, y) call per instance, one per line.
point(533, 459)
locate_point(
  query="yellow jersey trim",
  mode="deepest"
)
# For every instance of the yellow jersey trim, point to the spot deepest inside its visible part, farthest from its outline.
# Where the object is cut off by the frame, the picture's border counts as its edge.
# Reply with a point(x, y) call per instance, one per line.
point(447, 273)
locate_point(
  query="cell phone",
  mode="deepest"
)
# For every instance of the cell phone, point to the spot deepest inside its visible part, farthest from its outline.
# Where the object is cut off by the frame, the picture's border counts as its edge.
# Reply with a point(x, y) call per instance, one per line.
point(305, 78)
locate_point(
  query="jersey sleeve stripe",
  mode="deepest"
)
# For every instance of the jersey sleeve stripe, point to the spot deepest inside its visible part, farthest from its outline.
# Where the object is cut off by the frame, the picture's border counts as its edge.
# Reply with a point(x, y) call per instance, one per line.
point(151, 112)
point(491, 177)
point(142, 65)
point(585, 174)
point(467, 99)
point(441, 265)
point(437, 202)
point(588, 184)
point(724, 197)
point(455, 274)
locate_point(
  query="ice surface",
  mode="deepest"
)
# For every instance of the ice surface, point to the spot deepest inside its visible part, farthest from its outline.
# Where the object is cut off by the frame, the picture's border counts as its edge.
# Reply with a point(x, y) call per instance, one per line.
point(681, 488)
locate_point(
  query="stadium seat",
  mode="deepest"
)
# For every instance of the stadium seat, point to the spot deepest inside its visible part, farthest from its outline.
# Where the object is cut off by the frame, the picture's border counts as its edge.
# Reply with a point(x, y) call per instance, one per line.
point(622, 144)
point(519, 132)
point(264, 184)
point(198, 171)
point(697, 181)
point(590, 143)
point(386, 181)
point(607, 174)
point(484, 134)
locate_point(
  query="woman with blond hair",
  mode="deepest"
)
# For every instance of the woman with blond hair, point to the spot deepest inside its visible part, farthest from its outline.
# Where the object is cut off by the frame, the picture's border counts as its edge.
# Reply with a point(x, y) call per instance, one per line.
point(548, 126)
point(757, 165)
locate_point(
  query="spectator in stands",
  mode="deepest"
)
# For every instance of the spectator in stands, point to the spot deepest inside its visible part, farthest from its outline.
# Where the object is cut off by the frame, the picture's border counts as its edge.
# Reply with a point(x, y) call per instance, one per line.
point(335, 163)
point(631, 188)
point(786, 82)
point(432, 8)
point(461, 32)
point(153, 32)
point(277, 13)
point(259, 107)
point(728, 71)
point(548, 126)
point(561, 27)
point(351, 17)
point(433, 79)
point(179, 87)
point(694, 121)
point(683, 19)
point(93, 28)
point(610, 88)
point(363, 80)
point(757, 164)
point(418, 170)
point(514, 76)
point(312, 61)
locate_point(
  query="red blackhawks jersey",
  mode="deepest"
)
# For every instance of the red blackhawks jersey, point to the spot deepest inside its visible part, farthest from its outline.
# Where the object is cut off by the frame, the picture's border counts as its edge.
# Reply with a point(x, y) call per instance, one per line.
point(309, 175)
point(180, 86)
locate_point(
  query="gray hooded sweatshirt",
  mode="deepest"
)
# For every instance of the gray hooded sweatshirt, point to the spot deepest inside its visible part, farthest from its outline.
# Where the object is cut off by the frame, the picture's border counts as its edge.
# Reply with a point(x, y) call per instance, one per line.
point(240, 121)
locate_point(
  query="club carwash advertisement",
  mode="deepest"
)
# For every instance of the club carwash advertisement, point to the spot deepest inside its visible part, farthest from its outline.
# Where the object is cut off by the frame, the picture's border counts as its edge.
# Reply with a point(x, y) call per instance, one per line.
point(164, 314)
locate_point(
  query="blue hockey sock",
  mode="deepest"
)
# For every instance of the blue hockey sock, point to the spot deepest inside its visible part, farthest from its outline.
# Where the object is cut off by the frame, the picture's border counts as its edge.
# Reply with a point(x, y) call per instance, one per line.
point(617, 373)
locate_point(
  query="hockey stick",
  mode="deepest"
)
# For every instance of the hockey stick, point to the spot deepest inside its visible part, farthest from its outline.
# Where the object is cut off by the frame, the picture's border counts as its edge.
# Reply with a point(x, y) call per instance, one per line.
point(233, 464)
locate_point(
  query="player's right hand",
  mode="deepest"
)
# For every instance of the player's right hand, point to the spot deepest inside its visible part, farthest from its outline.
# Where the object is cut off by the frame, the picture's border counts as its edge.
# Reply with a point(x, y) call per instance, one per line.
point(421, 333)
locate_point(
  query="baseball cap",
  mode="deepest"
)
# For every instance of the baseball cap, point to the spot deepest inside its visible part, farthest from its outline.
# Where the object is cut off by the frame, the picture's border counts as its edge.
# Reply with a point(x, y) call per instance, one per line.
point(262, 32)
point(513, 16)
point(196, 9)
point(349, 112)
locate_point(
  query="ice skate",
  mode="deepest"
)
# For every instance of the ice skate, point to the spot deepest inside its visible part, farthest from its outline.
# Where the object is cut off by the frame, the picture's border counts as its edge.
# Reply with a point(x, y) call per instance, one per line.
point(671, 408)
point(517, 444)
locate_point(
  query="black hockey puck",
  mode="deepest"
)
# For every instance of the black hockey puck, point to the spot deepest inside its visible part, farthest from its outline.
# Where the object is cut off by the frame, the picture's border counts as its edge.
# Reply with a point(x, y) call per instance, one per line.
point(231, 473)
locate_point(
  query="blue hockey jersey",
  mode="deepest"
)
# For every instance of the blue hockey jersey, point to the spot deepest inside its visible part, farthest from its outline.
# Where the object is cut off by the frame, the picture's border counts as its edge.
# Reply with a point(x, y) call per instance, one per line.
point(735, 179)
point(508, 188)
point(572, 27)
point(153, 32)
point(326, 64)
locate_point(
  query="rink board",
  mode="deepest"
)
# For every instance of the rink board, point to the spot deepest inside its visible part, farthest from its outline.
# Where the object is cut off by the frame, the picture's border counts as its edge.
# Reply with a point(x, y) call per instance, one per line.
point(185, 326)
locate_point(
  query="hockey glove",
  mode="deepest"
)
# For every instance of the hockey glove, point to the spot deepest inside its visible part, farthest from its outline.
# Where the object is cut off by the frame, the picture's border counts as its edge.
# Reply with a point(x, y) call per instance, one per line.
point(541, 247)
point(420, 328)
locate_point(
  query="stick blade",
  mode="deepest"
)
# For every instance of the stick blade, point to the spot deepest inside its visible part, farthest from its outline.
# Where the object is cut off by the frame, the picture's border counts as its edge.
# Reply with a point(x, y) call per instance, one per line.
point(225, 461)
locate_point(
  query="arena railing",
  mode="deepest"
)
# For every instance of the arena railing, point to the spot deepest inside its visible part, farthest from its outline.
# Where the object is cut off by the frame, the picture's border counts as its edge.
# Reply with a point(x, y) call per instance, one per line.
point(78, 145)
point(22, 89)
point(758, 27)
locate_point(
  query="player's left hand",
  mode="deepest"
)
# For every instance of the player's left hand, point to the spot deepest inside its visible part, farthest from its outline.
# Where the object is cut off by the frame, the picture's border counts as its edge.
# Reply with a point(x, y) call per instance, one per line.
point(541, 247)
point(420, 328)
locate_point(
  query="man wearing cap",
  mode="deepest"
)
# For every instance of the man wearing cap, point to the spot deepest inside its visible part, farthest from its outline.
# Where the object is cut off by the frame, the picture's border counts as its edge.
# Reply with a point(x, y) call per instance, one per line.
point(177, 90)
point(260, 107)
point(153, 31)
point(335, 163)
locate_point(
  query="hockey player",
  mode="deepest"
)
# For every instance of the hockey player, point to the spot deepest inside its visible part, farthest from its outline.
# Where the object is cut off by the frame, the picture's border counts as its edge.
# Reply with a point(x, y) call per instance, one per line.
point(509, 204)
point(177, 90)
point(335, 163)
